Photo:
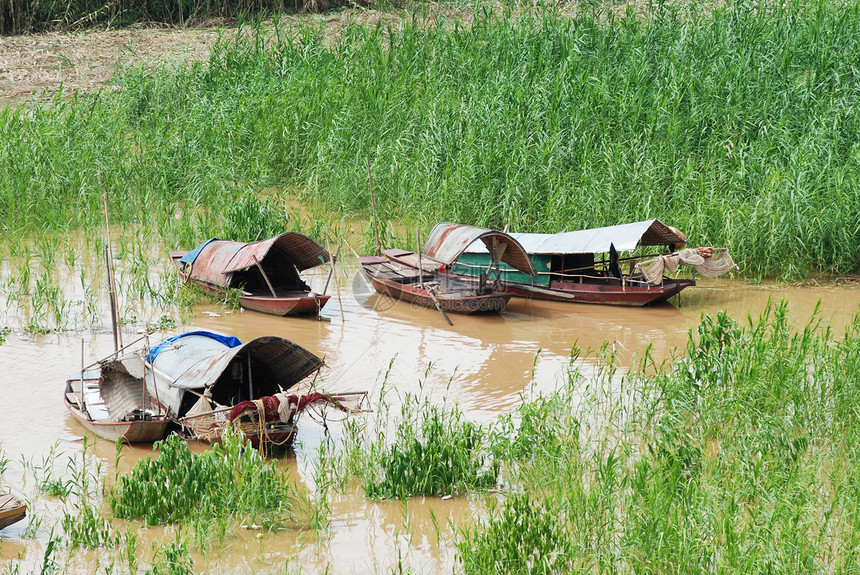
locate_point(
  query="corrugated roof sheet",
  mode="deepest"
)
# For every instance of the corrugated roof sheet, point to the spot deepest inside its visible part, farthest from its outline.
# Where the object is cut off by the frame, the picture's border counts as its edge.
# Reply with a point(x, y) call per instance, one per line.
point(301, 250)
point(217, 259)
point(448, 241)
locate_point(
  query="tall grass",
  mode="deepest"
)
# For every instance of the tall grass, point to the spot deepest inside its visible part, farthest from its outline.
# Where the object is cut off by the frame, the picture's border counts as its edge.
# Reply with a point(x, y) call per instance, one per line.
point(738, 126)
point(425, 450)
point(740, 456)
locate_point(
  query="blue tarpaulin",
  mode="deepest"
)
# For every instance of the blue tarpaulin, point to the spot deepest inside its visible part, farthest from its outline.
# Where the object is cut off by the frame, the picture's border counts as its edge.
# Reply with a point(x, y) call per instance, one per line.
point(192, 255)
point(227, 340)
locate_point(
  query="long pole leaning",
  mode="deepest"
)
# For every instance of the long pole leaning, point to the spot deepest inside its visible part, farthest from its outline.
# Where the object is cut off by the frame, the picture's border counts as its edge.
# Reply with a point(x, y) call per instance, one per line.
point(373, 207)
point(117, 335)
point(112, 299)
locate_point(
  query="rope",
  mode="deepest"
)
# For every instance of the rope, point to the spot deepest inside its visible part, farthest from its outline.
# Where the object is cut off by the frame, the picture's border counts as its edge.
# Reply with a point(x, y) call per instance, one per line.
point(261, 419)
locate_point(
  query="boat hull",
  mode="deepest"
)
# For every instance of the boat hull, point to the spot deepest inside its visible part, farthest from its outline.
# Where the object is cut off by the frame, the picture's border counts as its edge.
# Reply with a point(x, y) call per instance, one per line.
point(12, 510)
point(604, 294)
point(449, 302)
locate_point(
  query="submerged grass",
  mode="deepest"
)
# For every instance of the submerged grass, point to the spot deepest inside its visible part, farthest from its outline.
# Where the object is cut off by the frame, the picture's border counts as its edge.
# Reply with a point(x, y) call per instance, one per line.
point(230, 480)
point(738, 457)
point(736, 124)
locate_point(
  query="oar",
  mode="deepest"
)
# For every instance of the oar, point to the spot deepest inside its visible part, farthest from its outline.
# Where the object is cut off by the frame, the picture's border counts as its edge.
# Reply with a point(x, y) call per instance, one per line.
point(432, 292)
point(331, 270)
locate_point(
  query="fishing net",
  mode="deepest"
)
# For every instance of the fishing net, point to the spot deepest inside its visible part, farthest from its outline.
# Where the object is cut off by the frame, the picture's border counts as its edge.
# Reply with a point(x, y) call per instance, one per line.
point(710, 262)
point(206, 420)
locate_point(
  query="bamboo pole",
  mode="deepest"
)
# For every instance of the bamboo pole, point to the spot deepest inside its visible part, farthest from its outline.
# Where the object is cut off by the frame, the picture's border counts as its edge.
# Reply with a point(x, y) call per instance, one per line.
point(373, 207)
point(83, 405)
point(112, 301)
point(112, 279)
point(265, 277)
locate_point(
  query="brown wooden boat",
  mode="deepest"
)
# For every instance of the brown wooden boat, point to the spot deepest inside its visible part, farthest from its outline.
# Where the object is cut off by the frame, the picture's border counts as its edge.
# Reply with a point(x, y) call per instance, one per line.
point(421, 278)
point(266, 273)
point(434, 289)
point(201, 377)
point(585, 266)
point(12, 510)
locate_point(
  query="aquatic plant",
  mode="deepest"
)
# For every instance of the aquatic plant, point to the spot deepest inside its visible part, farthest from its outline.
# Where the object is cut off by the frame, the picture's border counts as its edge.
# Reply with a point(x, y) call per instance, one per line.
point(83, 522)
point(229, 480)
point(250, 218)
point(524, 538)
point(172, 558)
point(433, 451)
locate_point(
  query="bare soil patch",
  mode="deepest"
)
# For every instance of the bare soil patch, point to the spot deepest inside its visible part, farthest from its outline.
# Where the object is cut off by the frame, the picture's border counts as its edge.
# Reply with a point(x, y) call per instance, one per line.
point(36, 66)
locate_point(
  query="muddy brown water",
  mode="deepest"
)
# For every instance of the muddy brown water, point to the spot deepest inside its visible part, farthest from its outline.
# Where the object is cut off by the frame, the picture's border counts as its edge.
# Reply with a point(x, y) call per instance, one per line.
point(484, 364)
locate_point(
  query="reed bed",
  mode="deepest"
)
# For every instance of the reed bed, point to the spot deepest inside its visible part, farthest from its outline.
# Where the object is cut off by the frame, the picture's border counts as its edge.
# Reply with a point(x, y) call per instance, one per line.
point(433, 450)
point(737, 125)
point(738, 456)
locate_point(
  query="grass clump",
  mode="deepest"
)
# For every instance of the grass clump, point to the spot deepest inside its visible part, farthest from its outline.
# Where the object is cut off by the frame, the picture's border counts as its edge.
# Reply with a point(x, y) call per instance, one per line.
point(434, 452)
point(229, 480)
point(526, 538)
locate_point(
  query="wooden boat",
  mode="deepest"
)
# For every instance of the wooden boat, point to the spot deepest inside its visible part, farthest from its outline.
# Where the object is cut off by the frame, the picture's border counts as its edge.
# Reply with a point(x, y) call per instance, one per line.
point(12, 510)
point(209, 381)
point(265, 272)
point(585, 267)
point(422, 279)
point(113, 402)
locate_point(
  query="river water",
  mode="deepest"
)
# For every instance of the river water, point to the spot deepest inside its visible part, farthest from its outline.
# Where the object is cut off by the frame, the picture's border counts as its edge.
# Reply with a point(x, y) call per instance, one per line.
point(484, 364)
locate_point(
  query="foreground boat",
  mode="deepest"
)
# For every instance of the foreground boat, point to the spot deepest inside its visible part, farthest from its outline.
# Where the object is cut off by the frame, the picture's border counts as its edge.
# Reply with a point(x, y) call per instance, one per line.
point(569, 268)
point(12, 510)
point(422, 279)
point(266, 273)
point(113, 402)
point(209, 381)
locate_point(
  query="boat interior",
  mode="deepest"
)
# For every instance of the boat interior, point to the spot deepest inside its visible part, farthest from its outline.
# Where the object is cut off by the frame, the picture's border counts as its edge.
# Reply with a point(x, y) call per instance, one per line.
point(586, 268)
point(408, 274)
point(281, 274)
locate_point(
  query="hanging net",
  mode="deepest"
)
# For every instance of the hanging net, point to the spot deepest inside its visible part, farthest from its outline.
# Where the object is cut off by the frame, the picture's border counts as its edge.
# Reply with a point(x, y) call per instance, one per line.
point(710, 262)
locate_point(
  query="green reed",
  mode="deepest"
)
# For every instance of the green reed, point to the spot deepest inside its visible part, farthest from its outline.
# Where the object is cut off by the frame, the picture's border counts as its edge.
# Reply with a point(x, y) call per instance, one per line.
point(739, 456)
point(736, 125)
point(230, 480)
point(432, 450)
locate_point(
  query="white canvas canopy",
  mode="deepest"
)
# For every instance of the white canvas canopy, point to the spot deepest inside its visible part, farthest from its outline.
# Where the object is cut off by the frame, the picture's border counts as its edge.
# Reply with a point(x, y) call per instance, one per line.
point(260, 367)
point(625, 238)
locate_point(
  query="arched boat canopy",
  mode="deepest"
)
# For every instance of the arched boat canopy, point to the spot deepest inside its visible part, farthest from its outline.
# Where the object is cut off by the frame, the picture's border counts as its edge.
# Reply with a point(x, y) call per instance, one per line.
point(215, 260)
point(625, 238)
point(201, 364)
point(448, 241)
point(302, 251)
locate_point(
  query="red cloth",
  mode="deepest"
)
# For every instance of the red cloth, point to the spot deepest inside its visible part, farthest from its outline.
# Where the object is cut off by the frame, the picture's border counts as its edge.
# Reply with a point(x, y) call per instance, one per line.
point(270, 403)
